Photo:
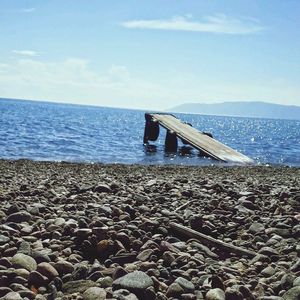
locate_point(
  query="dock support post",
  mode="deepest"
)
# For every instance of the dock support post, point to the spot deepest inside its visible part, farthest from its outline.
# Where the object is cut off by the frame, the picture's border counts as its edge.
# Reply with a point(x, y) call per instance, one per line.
point(151, 132)
point(171, 142)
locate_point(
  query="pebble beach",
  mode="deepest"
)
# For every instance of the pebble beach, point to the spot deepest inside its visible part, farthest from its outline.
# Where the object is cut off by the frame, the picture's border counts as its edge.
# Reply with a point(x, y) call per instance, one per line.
point(97, 231)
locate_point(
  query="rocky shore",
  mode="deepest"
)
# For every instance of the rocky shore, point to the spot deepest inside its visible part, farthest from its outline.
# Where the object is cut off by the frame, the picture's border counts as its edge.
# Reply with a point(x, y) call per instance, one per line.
point(92, 231)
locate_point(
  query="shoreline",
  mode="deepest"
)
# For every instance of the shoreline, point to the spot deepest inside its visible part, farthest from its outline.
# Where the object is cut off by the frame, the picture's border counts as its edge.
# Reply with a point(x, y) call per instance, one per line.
point(80, 229)
point(212, 165)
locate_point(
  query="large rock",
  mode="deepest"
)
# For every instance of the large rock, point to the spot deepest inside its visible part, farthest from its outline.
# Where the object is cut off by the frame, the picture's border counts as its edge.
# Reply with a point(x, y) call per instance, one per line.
point(292, 294)
point(19, 217)
point(94, 293)
point(136, 282)
point(21, 260)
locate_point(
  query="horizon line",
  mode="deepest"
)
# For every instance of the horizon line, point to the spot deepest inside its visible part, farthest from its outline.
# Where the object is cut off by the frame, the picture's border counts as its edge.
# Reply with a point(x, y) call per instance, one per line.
point(123, 107)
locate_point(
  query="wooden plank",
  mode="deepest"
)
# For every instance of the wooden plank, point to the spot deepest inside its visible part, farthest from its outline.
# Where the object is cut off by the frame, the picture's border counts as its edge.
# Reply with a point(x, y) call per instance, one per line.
point(200, 141)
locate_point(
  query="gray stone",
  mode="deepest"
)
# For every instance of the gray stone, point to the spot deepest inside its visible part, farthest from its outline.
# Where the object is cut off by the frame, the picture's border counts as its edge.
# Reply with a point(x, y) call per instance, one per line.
point(296, 267)
point(80, 272)
point(189, 297)
point(233, 294)
point(268, 251)
point(17, 287)
point(279, 231)
point(168, 257)
point(22, 273)
point(25, 248)
point(124, 295)
point(9, 229)
point(20, 280)
point(296, 282)
point(215, 294)
point(292, 294)
point(19, 217)
point(94, 293)
point(27, 294)
point(3, 239)
point(12, 296)
point(21, 260)
point(64, 267)
point(37, 279)
point(268, 271)
point(175, 290)
point(144, 255)
point(84, 233)
point(136, 282)
point(256, 228)
point(105, 209)
point(40, 297)
point(105, 282)
point(180, 245)
point(187, 285)
point(78, 286)
point(47, 270)
point(59, 221)
point(286, 281)
point(4, 291)
point(246, 292)
point(5, 262)
point(102, 188)
point(40, 256)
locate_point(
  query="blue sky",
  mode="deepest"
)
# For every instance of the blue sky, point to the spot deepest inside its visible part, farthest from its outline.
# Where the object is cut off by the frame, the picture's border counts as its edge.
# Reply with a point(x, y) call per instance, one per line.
point(150, 54)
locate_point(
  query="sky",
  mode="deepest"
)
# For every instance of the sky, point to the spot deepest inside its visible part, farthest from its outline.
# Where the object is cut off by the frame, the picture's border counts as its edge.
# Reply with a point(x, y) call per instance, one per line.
point(150, 54)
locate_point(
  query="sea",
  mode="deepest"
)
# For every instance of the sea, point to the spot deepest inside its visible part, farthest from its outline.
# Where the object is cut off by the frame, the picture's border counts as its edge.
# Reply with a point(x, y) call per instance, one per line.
point(45, 131)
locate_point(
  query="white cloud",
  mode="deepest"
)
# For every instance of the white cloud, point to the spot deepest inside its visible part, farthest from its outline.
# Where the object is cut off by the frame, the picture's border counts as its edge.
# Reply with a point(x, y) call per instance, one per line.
point(218, 23)
point(30, 53)
point(75, 81)
point(28, 10)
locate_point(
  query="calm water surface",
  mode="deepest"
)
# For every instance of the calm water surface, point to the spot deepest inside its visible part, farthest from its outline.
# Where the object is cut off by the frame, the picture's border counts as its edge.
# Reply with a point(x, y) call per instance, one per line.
point(48, 131)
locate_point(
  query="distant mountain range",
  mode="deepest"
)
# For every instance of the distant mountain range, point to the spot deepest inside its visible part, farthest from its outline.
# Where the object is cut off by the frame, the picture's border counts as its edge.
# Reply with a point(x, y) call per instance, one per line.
point(242, 109)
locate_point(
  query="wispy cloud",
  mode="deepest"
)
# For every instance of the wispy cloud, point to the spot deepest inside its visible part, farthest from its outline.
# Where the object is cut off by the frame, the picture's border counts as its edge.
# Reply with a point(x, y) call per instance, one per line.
point(28, 10)
point(218, 23)
point(30, 53)
point(75, 80)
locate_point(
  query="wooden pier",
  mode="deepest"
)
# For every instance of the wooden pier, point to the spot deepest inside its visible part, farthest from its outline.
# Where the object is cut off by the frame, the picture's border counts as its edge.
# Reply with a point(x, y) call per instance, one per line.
point(207, 145)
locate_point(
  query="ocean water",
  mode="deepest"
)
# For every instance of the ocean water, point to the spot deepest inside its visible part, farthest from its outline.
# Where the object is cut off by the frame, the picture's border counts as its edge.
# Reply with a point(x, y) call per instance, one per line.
point(63, 132)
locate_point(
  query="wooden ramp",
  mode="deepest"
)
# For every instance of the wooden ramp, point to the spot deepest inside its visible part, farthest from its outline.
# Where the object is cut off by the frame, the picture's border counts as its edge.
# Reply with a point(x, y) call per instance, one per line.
point(199, 140)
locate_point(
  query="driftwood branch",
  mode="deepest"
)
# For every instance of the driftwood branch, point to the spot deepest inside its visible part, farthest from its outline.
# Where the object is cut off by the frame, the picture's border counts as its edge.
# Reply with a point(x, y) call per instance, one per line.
point(190, 233)
point(185, 205)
